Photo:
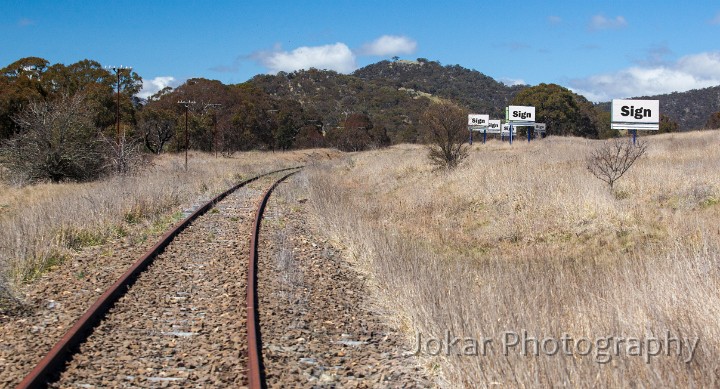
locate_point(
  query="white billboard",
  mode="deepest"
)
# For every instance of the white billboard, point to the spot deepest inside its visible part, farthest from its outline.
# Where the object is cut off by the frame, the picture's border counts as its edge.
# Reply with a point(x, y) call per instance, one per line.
point(494, 126)
point(475, 120)
point(635, 114)
point(520, 113)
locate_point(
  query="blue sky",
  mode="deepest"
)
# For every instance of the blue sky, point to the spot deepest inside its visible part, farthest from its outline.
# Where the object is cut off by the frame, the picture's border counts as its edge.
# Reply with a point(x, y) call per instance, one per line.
point(601, 49)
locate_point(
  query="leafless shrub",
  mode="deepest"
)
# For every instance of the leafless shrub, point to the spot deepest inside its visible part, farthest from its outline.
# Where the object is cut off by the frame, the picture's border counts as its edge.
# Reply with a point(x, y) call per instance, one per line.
point(58, 141)
point(124, 155)
point(445, 131)
point(613, 158)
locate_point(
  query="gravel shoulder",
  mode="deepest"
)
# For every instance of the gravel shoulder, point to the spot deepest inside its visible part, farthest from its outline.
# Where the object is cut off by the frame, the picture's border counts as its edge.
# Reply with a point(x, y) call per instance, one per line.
point(318, 323)
point(52, 303)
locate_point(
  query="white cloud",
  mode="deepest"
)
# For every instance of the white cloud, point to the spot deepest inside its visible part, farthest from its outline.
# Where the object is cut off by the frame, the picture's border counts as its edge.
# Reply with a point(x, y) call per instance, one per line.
point(554, 19)
point(512, 81)
point(690, 72)
point(600, 22)
point(150, 87)
point(337, 57)
point(389, 45)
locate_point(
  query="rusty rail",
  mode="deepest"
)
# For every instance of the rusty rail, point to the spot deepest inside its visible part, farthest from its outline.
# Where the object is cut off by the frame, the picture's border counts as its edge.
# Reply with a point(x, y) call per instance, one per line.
point(256, 376)
point(47, 369)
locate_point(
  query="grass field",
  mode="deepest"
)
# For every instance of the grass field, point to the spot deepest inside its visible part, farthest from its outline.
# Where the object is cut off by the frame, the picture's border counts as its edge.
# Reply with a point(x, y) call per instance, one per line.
point(518, 268)
point(521, 244)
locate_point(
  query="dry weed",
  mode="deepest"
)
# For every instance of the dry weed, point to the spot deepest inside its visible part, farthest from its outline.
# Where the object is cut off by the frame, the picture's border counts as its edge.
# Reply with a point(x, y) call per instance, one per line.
point(522, 239)
point(42, 225)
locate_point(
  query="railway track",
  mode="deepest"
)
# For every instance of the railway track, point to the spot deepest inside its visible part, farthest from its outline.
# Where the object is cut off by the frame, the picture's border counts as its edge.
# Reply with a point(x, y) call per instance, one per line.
point(176, 316)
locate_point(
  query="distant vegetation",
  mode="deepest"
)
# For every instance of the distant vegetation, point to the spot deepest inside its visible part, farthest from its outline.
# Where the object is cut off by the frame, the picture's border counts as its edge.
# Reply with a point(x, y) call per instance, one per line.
point(378, 105)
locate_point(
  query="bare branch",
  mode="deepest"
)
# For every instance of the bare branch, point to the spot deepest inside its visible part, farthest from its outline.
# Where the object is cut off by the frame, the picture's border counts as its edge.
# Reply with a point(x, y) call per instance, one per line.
point(614, 158)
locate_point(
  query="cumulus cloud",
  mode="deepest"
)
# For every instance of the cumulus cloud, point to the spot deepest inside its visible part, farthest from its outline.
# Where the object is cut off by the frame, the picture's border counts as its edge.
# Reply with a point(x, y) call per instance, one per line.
point(337, 57)
point(389, 45)
point(600, 22)
point(150, 87)
point(690, 72)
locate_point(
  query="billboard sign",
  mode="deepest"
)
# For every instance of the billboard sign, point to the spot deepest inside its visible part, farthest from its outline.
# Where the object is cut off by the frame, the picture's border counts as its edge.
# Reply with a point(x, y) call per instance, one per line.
point(520, 114)
point(494, 127)
point(478, 121)
point(635, 114)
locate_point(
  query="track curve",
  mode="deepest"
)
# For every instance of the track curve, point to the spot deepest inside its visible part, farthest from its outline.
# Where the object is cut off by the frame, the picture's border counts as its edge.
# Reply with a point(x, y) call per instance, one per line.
point(53, 362)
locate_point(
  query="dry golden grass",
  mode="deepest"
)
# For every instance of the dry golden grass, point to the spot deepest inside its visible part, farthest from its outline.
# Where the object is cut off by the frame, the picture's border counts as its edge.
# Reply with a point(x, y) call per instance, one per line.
point(524, 238)
point(42, 224)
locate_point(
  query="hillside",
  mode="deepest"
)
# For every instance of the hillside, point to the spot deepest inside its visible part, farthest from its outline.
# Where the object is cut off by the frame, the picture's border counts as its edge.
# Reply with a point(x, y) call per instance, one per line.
point(470, 88)
point(334, 96)
point(393, 93)
point(690, 109)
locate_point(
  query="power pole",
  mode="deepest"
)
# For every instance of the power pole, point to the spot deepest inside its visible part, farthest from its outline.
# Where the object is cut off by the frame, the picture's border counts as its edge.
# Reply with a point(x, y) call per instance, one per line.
point(120, 143)
point(186, 104)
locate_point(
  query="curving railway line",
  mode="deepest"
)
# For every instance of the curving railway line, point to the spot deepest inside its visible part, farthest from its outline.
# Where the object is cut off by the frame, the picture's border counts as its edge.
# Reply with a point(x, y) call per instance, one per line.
point(174, 316)
point(190, 312)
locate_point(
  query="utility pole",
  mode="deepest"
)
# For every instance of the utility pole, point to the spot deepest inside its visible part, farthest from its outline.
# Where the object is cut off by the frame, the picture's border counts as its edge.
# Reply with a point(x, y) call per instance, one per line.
point(186, 104)
point(215, 137)
point(120, 143)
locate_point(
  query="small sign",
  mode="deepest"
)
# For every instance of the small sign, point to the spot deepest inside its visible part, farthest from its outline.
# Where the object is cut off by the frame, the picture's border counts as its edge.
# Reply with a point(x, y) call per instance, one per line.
point(635, 114)
point(475, 120)
point(540, 127)
point(520, 113)
point(494, 126)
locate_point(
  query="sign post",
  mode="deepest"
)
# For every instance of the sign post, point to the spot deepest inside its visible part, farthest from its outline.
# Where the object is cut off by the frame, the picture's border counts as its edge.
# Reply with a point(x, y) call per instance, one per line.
point(478, 122)
point(520, 115)
point(633, 115)
point(507, 129)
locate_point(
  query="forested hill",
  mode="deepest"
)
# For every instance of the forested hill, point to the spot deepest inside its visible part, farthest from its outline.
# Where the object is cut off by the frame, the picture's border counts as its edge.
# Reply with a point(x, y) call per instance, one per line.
point(470, 88)
point(689, 109)
point(390, 92)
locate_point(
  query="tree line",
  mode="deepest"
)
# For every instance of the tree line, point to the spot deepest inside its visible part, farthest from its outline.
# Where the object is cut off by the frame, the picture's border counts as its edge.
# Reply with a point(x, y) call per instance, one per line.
point(82, 121)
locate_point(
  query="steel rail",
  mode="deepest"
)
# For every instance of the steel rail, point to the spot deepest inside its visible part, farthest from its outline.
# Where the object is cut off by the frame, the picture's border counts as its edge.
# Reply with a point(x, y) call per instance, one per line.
point(51, 365)
point(256, 376)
